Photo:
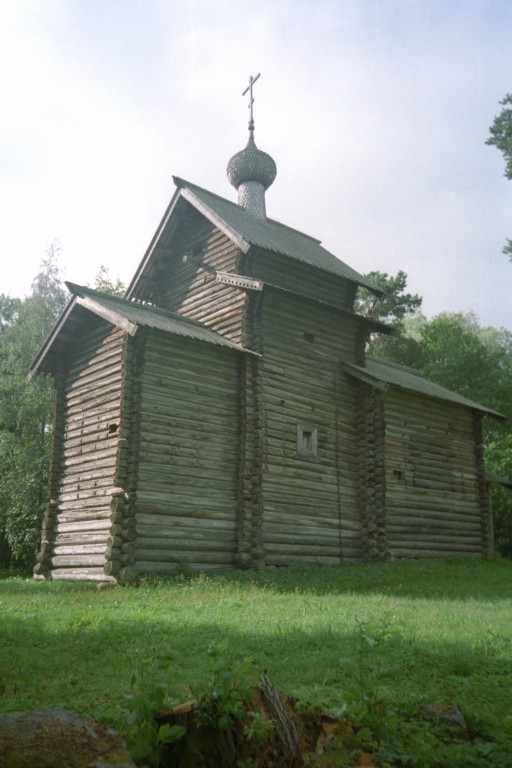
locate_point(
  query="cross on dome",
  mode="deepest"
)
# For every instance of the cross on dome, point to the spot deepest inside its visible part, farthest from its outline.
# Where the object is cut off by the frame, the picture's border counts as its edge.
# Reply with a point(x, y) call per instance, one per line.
point(252, 80)
point(251, 171)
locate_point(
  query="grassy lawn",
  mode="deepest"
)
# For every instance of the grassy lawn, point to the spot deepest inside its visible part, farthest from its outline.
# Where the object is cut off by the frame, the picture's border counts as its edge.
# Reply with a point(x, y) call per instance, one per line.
point(379, 642)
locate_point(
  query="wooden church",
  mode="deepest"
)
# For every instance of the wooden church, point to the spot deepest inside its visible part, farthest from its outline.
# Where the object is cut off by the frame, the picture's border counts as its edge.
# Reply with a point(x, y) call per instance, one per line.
point(224, 415)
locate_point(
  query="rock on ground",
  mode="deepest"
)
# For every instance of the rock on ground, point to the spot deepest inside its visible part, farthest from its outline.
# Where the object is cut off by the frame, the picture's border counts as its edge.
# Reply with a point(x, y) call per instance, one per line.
point(57, 738)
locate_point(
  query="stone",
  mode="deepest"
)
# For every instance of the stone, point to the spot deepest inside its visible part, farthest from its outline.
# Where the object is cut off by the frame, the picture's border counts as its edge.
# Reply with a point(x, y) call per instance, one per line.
point(58, 738)
point(449, 714)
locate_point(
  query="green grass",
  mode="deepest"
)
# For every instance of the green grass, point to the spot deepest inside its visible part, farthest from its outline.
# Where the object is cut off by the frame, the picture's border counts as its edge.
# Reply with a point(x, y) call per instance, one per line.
point(443, 631)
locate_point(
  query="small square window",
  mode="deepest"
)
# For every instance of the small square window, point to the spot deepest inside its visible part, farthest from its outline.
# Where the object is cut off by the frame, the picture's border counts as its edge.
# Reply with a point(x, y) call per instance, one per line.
point(307, 440)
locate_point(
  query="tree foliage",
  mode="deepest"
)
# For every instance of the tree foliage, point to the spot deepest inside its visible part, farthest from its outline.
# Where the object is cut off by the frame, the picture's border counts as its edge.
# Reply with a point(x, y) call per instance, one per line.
point(394, 305)
point(25, 412)
point(501, 133)
point(107, 284)
point(397, 308)
point(473, 361)
point(501, 137)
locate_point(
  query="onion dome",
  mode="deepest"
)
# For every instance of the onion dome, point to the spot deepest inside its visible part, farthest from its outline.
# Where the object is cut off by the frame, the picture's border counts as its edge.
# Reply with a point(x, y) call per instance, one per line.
point(251, 164)
point(251, 171)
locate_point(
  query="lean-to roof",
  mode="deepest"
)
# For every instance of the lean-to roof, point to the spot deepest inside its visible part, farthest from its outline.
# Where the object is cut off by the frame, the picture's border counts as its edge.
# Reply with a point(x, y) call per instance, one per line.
point(380, 374)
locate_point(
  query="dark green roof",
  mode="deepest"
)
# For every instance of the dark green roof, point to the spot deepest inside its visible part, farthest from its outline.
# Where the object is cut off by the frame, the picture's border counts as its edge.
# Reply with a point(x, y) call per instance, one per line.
point(148, 315)
point(129, 315)
point(267, 234)
point(382, 375)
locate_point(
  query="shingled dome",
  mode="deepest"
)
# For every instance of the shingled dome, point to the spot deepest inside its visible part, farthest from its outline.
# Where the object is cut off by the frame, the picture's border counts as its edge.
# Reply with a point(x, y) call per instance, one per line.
point(251, 172)
point(251, 164)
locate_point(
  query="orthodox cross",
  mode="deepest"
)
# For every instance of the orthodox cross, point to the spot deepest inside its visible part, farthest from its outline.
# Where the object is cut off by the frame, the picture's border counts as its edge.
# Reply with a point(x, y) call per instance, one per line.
point(252, 80)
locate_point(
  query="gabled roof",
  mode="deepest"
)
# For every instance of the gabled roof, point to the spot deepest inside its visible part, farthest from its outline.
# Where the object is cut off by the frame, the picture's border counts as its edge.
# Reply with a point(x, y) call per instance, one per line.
point(380, 374)
point(247, 232)
point(129, 316)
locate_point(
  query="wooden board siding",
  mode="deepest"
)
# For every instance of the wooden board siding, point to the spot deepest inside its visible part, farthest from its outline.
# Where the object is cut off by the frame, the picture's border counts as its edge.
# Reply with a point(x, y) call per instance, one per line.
point(310, 502)
point(186, 277)
point(432, 495)
point(302, 279)
point(90, 444)
point(188, 456)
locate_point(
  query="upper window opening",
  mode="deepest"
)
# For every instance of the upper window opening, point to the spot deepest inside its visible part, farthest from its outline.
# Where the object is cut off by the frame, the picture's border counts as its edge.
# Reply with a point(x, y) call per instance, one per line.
point(307, 440)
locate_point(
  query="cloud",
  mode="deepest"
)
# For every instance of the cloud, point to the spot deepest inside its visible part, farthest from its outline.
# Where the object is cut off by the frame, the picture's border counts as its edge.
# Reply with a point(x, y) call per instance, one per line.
point(375, 112)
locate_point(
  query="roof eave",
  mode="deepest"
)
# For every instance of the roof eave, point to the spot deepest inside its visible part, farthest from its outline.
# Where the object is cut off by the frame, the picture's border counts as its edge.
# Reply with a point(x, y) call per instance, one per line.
point(108, 314)
point(379, 327)
point(371, 286)
point(152, 245)
point(493, 477)
point(48, 344)
point(376, 382)
point(365, 377)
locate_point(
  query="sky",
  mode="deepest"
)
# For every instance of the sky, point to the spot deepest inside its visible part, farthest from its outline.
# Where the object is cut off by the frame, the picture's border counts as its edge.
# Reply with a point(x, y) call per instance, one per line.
point(376, 113)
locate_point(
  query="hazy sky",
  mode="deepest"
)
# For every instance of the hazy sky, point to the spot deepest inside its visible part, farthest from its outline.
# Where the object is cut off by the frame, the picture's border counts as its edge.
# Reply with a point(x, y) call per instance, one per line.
point(375, 111)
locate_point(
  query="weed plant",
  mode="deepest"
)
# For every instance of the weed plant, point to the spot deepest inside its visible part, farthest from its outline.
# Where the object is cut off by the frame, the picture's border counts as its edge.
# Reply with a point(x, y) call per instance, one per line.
point(376, 644)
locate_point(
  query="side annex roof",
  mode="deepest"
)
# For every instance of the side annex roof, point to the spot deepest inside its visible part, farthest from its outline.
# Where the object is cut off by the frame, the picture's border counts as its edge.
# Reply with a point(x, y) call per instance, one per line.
point(129, 316)
point(380, 374)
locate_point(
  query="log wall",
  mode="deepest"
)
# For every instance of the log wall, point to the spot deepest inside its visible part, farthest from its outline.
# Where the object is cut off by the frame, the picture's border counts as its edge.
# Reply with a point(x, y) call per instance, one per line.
point(433, 505)
point(372, 475)
point(250, 543)
point(87, 458)
point(311, 506)
point(297, 277)
point(186, 277)
point(188, 456)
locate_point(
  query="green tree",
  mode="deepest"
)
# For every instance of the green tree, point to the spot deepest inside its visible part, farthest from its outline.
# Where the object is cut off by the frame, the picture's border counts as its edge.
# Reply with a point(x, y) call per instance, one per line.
point(397, 308)
point(26, 412)
point(106, 284)
point(501, 137)
point(460, 355)
point(394, 305)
